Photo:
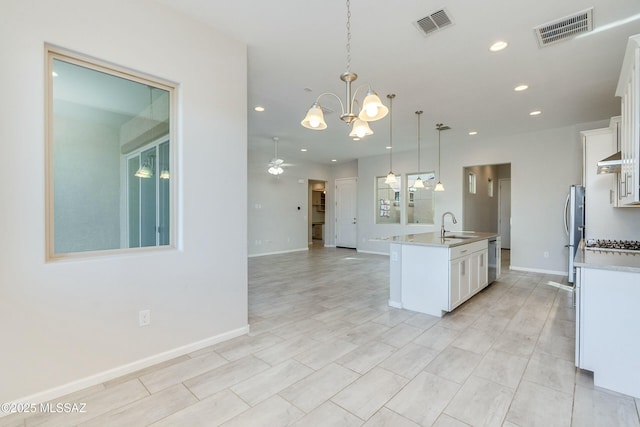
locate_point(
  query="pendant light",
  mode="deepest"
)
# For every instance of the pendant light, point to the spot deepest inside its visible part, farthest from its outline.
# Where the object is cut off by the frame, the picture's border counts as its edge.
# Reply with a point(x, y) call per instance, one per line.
point(418, 183)
point(391, 177)
point(440, 127)
point(146, 170)
point(275, 166)
point(372, 108)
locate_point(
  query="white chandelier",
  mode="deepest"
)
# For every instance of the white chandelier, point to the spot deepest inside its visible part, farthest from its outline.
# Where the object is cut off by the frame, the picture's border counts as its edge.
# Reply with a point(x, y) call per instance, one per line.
point(372, 108)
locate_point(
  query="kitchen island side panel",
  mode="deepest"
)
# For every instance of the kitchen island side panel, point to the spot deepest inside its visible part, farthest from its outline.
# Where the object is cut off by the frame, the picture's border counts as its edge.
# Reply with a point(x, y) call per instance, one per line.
point(425, 279)
point(395, 275)
point(610, 327)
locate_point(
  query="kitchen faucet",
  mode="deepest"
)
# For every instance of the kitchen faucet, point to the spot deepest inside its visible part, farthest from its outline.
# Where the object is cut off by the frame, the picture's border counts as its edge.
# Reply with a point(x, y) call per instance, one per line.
point(453, 219)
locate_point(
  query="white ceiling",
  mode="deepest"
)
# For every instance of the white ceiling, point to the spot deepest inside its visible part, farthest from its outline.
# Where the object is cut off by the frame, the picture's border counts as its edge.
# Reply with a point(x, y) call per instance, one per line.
point(451, 75)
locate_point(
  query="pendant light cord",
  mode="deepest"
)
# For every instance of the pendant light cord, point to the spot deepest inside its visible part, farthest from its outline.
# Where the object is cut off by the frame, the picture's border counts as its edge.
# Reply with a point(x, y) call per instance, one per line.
point(391, 96)
point(419, 114)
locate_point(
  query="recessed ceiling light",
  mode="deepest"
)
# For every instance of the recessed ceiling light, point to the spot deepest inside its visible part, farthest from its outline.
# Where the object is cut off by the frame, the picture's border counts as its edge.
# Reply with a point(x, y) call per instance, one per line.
point(535, 113)
point(303, 149)
point(334, 160)
point(473, 132)
point(520, 88)
point(497, 46)
point(355, 138)
point(259, 108)
point(54, 74)
point(388, 147)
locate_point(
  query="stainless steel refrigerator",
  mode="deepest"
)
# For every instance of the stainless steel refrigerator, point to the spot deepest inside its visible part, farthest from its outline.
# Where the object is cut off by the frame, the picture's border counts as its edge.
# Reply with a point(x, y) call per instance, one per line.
point(574, 222)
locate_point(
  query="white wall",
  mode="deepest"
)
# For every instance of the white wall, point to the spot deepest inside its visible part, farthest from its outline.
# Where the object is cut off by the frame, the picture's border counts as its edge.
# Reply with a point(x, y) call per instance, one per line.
point(275, 224)
point(543, 166)
point(67, 321)
point(480, 210)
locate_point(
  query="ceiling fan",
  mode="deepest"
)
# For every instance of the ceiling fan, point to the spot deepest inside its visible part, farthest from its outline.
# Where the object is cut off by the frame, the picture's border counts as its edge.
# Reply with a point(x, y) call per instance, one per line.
point(276, 164)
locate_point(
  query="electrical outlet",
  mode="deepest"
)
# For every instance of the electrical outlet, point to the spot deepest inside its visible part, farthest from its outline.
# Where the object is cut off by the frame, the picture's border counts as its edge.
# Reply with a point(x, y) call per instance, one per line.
point(546, 254)
point(144, 317)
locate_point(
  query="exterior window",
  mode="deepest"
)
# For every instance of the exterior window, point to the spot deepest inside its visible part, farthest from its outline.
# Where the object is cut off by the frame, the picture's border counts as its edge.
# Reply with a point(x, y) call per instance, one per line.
point(388, 201)
point(420, 200)
point(110, 156)
point(472, 183)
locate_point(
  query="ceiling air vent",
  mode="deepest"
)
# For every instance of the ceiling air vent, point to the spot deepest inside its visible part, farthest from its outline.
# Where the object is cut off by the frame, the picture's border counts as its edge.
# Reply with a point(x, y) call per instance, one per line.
point(434, 21)
point(564, 28)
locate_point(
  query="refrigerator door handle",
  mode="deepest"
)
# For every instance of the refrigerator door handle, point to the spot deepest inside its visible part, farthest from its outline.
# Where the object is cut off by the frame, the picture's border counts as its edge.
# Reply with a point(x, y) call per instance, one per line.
point(566, 212)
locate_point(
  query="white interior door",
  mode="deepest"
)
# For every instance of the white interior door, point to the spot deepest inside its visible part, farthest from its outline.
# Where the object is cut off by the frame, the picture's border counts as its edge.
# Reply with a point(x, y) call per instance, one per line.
point(504, 212)
point(346, 212)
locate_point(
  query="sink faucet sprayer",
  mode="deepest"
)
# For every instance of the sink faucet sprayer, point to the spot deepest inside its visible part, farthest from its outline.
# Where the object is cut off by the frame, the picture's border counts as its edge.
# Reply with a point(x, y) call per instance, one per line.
point(453, 219)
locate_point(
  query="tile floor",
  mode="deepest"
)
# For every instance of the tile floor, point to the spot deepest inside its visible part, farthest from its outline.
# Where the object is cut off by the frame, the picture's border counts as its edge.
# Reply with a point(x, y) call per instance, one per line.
point(325, 349)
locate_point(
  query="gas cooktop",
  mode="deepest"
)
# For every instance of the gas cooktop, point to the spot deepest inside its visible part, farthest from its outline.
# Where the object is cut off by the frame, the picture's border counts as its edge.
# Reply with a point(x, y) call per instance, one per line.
point(613, 245)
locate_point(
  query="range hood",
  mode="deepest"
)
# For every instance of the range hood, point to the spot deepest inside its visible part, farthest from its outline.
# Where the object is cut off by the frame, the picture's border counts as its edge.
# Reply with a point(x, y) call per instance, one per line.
point(611, 164)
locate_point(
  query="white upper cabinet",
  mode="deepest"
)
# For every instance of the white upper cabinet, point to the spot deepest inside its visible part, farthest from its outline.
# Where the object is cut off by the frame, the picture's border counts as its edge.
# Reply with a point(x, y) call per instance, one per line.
point(628, 87)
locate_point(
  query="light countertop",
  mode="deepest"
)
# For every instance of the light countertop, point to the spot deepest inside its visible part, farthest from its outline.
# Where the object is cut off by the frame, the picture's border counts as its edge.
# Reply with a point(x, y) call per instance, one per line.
point(607, 260)
point(434, 239)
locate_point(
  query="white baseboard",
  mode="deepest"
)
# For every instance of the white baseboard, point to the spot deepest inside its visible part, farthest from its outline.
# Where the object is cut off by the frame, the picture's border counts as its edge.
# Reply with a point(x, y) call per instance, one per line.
point(373, 252)
point(538, 270)
point(395, 304)
point(72, 387)
point(279, 252)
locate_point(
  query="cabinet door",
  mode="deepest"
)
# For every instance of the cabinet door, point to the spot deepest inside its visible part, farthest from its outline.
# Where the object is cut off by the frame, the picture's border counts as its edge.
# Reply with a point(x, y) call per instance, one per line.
point(474, 272)
point(455, 273)
point(630, 132)
point(466, 273)
point(483, 269)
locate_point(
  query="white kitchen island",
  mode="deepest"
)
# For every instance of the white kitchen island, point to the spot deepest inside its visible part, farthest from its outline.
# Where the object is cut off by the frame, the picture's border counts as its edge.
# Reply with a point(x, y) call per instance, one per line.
point(607, 318)
point(433, 275)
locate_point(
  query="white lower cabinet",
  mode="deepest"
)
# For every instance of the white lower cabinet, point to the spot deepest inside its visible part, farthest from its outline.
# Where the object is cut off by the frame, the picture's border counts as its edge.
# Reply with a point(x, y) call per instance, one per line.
point(436, 279)
point(468, 271)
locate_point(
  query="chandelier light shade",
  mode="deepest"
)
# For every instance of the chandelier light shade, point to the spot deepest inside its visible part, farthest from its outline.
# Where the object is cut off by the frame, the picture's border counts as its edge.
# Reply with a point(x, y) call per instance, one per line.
point(371, 109)
point(418, 182)
point(391, 177)
point(439, 187)
point(314, 118)
point(360, 129)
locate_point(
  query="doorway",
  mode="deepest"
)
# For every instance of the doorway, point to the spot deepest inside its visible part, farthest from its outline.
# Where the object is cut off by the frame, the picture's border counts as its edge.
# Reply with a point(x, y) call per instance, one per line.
point(486, 202)
point(317, 208)
point(504, 212)
point(346, 213)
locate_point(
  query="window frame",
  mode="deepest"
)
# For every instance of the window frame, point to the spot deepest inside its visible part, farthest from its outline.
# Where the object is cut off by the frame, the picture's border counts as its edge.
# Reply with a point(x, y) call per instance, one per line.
point(411, 198)
point(51, 53)
point(395, 202)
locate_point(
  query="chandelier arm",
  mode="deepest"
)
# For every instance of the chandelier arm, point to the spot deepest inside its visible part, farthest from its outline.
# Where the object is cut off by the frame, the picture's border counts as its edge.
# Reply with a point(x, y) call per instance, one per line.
point(332, 94)
point(355, 93)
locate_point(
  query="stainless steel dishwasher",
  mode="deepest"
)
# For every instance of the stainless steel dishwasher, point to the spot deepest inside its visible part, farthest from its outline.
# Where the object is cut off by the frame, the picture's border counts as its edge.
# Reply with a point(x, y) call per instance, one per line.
point(493, 259)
